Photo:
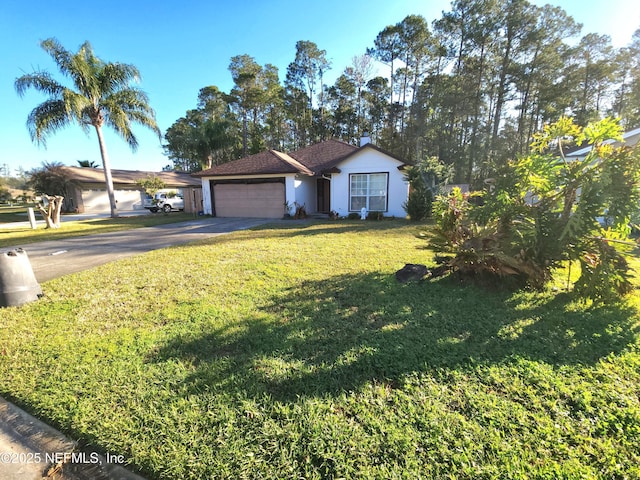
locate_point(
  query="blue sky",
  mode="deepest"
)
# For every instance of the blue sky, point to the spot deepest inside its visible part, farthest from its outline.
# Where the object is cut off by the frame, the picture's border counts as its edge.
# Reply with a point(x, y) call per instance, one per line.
point(180, 47)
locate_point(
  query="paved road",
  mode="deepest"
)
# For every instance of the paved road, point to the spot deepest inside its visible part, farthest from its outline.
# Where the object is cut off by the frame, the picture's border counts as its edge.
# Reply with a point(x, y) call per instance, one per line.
point(61, 257)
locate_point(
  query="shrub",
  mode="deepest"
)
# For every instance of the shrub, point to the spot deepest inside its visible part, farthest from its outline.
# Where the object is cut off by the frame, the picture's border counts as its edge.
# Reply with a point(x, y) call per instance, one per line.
point(542, 211)
point(419, 204)
point(425, 178)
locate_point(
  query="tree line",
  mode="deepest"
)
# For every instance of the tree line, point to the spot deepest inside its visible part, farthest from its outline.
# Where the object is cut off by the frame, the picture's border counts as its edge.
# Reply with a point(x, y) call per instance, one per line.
point(470, 89)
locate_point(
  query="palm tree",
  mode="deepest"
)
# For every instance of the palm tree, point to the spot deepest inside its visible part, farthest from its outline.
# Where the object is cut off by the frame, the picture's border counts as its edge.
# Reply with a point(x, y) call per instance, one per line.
point(102, 95)
point(87, 164)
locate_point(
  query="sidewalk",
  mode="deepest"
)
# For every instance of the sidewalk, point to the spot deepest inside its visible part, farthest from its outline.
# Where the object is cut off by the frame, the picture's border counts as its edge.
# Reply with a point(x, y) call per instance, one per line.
point(32, 450)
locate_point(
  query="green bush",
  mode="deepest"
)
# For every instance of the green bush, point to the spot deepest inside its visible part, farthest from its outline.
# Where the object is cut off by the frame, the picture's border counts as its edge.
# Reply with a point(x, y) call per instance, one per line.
point(5, 195)
point(427, 176)
point(419, 204)
point(542, 211)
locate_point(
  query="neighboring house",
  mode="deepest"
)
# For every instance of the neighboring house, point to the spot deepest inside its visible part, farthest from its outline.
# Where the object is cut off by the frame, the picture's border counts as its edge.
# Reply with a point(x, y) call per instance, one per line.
point(629, 139)
point(331, 176)
point(88, 192)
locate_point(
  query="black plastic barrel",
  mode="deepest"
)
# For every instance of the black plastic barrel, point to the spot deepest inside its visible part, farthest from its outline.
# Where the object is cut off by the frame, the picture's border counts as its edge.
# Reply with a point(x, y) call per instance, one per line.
point(18, 284)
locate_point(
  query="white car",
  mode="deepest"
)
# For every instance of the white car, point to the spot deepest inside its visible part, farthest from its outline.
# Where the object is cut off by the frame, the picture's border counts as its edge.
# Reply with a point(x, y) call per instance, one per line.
point(165, 202)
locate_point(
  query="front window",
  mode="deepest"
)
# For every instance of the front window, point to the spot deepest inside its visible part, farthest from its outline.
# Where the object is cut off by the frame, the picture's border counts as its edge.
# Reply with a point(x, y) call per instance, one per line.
point(368, 190)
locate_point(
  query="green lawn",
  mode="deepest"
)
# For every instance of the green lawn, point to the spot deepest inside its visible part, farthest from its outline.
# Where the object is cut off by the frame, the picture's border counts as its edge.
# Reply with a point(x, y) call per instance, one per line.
point(19, 234)
point(14, 213)
point(291, 352)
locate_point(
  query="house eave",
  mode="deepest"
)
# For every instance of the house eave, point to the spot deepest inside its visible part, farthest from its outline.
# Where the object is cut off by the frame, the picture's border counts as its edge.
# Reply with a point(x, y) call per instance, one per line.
point(331, 170)
point(248, 175)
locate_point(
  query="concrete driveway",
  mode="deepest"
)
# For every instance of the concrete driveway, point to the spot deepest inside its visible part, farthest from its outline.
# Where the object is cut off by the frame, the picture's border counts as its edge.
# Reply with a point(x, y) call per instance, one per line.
point(61, 257)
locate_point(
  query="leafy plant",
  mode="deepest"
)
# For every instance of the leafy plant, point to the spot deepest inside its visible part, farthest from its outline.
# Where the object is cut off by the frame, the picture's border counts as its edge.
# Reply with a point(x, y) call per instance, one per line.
point(480, 251)
point(451, 229)
point(605, 271)
point(542, 210)
point(418, 205)
point(151, 184)
point(375, 216)
point(87, 164)
point(426, 178)
point(52, 180)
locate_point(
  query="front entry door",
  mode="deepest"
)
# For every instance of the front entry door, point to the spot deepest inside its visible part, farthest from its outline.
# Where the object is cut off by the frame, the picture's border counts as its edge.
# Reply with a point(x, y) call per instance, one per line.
point(323, 187)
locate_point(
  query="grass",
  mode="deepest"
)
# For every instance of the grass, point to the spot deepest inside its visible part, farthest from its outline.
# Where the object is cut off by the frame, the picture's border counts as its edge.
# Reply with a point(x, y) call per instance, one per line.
point(292, 352)
point(20, 235)
point(14, 213)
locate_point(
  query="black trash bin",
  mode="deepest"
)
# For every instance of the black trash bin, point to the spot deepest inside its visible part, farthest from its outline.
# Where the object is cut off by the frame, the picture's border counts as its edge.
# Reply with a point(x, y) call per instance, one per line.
point(18, 284)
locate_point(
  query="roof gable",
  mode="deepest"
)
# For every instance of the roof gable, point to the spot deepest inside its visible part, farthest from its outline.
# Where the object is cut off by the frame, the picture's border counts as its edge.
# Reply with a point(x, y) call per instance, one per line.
point(380, 150)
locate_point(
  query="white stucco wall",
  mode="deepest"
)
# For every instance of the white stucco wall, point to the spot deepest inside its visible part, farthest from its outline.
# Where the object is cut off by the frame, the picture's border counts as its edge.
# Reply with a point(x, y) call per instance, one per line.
point(206, 196)
point(290, 191)
point(370, 161)
point(305, 193)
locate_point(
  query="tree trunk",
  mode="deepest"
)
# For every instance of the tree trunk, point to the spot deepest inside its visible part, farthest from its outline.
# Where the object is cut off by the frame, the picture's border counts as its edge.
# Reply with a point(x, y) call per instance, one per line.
point(502, 87)
point(51, 214)
point(245, 133)
point(474, 150)
point(523, 139)
point(106, 165)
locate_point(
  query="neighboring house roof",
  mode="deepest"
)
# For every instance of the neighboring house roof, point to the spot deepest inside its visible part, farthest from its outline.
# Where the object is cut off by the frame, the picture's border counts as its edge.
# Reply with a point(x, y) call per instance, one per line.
point(130, 177)
point(628, 138)
point(316, 159)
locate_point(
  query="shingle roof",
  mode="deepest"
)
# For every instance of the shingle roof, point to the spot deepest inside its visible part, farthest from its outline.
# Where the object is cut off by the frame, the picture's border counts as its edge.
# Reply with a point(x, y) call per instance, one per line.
point(316, 159)
point(130, 177)
point(324, 156)
point(263, 163)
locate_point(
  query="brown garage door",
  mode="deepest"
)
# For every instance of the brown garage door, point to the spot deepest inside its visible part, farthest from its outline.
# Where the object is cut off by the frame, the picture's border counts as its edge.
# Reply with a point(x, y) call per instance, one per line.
point(262, 200)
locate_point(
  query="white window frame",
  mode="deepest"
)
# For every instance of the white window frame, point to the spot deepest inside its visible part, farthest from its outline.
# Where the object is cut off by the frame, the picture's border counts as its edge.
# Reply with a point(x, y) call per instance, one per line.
point(368, 193)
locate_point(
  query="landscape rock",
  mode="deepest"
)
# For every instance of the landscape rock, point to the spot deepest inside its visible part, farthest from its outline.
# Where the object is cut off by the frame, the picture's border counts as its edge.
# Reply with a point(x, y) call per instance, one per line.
point(412, 272)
